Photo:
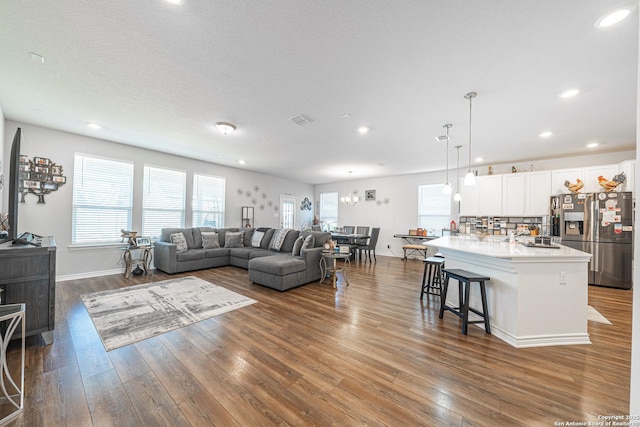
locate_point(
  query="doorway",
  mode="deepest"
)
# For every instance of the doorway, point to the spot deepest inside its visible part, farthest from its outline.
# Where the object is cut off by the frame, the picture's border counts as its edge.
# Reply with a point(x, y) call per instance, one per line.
point(288, 217)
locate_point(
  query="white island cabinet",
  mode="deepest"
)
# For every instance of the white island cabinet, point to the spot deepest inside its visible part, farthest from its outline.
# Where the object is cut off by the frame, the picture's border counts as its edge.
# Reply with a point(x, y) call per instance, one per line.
point(536, 296)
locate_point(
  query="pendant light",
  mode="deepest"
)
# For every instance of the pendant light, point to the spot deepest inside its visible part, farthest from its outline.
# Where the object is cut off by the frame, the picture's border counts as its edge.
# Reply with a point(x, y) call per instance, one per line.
point(470, 178)
point(456, 196)
point(447, 185)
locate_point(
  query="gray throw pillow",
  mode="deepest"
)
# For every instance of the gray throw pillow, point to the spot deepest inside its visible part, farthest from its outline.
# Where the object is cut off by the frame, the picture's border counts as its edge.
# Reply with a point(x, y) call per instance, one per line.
point(180, 242)
point(257, 238)
point(233, 239)
point(210, 240)
point(309, 241)
point(297, 246)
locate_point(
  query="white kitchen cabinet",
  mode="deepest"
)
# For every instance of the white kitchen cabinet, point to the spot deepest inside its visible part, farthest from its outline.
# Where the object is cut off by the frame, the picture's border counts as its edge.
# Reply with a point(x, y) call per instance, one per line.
point(559, 176)
point(537, 190)
point(513, 192)
point(592, 173)
point(526, 194)
point(482, 199)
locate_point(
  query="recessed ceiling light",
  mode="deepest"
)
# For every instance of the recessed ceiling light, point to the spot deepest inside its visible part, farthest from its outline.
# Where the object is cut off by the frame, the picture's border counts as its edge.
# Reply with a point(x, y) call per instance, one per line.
point(36, 57)
point(346, 116)
point(611, 18)
point(225, 127)
point(478, 159)
point(94, 126)
point(363, 129)
point(569, 93)
point(592, 145)
point(175, 1)
point(242, 162)
point(546, 134)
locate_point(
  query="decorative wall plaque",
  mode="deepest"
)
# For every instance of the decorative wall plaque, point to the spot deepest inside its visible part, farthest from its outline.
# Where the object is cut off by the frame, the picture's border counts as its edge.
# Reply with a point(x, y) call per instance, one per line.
point(39, 176)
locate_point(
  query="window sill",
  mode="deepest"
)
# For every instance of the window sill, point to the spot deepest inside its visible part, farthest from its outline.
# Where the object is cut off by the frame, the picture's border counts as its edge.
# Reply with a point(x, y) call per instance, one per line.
point(96, 246)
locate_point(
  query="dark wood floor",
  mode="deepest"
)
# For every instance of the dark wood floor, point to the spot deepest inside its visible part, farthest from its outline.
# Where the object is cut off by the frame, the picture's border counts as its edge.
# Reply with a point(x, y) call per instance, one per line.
point(368, 354)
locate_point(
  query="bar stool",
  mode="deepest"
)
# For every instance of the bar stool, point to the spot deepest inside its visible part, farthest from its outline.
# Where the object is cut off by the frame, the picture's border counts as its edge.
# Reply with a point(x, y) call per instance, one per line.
point(432, 276)
point(466, 277)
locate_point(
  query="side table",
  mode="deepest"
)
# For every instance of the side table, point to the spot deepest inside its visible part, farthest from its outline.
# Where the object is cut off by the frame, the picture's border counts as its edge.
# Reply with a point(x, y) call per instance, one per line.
point(144, 257)
point(12, 398)
point(333, 257)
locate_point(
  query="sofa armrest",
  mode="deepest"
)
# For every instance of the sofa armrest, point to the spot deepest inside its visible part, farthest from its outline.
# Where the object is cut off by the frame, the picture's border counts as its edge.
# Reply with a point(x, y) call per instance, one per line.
point(311, 258)
point(165, 256)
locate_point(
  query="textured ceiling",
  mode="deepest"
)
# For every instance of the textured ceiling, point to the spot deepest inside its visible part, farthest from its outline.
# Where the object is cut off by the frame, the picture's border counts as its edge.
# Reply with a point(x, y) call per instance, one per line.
point(159, 76)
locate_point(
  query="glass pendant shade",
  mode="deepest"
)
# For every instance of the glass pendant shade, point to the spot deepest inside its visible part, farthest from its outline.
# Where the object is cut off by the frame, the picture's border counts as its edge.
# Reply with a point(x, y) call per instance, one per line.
point(456, 197)
point(469, 179)
point(446, 189)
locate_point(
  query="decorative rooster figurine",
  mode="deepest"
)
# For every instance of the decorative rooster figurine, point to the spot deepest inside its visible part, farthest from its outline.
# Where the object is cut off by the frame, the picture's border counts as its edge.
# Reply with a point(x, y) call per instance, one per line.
point(574, 188)
point(611, 185)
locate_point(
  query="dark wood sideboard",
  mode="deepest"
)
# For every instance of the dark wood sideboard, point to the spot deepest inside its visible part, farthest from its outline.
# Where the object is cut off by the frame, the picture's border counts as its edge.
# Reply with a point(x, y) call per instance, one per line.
point(28, 275)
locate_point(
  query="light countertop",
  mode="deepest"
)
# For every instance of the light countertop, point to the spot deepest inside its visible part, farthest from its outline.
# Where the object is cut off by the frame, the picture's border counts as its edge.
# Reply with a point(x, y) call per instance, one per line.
point(497, 247)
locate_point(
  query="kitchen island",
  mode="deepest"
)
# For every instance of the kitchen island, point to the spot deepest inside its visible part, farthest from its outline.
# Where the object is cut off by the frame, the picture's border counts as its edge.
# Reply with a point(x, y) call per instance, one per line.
point(536, 296)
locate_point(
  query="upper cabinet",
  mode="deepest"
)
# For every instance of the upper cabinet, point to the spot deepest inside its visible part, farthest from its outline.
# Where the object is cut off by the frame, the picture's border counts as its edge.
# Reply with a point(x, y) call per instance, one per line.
point(482, 199)
point(628, 167)
point(592, 173)
point(560, 176)
point(526, 194)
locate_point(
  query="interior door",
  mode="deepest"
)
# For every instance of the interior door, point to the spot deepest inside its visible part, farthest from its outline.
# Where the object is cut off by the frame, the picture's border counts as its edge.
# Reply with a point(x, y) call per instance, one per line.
point(288, 212)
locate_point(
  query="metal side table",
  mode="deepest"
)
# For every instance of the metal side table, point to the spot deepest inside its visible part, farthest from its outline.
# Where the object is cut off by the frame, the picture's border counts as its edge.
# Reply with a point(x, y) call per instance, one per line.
point(12, 398)
point(333, 268)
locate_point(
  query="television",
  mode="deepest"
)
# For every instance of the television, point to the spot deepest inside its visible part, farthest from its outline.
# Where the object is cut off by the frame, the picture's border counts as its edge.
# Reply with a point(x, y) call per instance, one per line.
point(14, 196)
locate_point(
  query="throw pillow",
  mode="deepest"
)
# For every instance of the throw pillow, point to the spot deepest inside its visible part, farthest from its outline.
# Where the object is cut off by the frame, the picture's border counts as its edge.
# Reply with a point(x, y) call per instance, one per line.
point(180, 242)
point(210, 240)
point(257, 238)
point(278, 239)
point(233, 239)
point(309, 242)
point(297, 246)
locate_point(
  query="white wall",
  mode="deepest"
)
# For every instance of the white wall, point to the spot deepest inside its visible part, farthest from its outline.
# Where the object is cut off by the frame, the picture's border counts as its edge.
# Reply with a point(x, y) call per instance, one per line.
point(4, 169)
point(54, 217)
point(401, 214)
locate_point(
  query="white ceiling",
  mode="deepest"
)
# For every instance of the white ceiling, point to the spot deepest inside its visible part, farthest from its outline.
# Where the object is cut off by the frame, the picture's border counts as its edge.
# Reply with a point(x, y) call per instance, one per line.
point(159, 76)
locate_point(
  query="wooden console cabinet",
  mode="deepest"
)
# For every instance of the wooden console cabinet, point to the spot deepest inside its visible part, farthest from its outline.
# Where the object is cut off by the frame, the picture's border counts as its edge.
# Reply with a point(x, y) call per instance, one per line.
point(28, 275)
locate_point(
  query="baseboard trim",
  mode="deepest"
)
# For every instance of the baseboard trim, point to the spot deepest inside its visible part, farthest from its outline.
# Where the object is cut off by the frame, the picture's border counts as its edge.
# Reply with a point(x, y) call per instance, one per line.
point(87, 275)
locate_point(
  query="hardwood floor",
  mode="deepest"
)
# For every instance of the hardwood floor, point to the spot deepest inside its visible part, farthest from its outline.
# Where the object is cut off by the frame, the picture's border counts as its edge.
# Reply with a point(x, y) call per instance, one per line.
point(368, 354)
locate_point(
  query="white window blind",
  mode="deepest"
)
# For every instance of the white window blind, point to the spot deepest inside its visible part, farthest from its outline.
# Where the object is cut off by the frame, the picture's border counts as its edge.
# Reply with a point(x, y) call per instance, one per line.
point(328, 210)
point(163, 200)
point(102, 199)
point(434, 209)
point(208, 201)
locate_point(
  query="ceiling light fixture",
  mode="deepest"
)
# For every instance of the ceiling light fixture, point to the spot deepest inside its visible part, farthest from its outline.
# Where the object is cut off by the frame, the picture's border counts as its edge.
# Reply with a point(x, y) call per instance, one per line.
point(348, 199)
point(363, 129)
point(456, 196)
point(175, 1)
point(470, 178)
point(546, 134)
point(611, 18)
point(447, 185)
point(242, 162)
point(592, 145)
point(94, 126)
point(569, 93)
point(226, 128)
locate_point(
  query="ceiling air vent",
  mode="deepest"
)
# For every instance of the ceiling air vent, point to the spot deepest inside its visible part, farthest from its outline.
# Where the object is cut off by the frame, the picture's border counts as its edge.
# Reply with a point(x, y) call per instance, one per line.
point(301, 120)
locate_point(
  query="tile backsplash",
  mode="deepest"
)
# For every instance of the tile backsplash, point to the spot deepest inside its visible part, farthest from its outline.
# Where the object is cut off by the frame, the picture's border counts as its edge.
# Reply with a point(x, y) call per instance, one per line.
point(500, 226)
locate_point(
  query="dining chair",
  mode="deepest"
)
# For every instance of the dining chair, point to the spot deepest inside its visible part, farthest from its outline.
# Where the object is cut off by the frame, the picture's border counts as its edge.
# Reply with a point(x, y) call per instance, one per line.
point(363, 231)
point(371, 246)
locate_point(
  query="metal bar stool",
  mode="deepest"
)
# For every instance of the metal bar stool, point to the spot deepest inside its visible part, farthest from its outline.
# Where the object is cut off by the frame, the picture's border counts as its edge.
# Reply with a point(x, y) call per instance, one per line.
point(432, 276)
point(466, 277)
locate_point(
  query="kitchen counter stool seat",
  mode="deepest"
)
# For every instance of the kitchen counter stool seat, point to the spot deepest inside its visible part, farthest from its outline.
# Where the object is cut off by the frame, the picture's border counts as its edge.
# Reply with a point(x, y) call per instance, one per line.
point(432, 276)
point(465, 277)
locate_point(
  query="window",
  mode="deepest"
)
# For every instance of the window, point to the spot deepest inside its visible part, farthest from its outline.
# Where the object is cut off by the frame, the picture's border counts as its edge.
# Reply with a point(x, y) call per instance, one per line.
point(434, 209)
point(328, 211)
point(102, 199)
point(163, 200)
point(208, 201)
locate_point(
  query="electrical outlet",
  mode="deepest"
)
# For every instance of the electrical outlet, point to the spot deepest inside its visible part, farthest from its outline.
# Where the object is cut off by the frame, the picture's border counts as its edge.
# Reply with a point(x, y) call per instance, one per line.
point(388, 246)
point(563, 277)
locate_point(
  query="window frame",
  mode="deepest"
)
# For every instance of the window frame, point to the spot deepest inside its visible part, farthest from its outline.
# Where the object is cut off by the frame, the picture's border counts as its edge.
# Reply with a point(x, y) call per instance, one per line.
point(146, 228)
point(218, 213)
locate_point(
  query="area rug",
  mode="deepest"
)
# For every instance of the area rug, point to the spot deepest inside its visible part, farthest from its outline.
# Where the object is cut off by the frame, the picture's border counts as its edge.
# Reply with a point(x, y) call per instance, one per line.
point(125, 316)
point(595, 316)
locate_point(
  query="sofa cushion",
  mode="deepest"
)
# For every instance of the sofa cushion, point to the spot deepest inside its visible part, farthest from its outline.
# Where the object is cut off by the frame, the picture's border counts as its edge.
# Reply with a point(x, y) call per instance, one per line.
point(278, 265)
point(266, 240)
point(190, 255)
point(256, 239)
point(180, 242)
point(210, 240)
point(165, 236)
point(289, 241)
point(297, 246)
point(233, 239)
point(308, 242)
point(278, 238)
point(320, 237)
point(222, 232)
point(248, 234)
point(216, 253)
point(197, 235)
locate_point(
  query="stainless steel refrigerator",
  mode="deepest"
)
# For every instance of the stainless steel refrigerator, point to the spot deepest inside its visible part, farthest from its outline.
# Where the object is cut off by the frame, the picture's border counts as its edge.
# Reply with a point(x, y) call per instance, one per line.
point(602, 225)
